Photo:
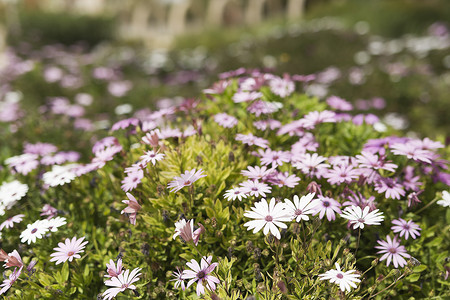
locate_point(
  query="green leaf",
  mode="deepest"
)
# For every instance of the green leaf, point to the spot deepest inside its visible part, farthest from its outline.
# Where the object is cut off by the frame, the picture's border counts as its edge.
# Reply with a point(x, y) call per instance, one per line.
point(420, 268)
point(413, 277)
point(65, 271)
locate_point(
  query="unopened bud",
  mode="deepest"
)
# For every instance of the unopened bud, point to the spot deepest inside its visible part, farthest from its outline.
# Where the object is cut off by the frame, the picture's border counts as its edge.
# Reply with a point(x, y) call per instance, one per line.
point(282, 287)
point(375, 262)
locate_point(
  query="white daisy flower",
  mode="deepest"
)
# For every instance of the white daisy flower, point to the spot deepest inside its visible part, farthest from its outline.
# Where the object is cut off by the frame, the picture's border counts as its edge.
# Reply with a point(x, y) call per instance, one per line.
point(445, 202)
point(301, 208)
point(360, 217)
point(235, 193)
point(33, 231)
point(59, 175)
point(122, 282)
point(268, 215)
point(345, 280)
point(54, 223)
point(11, 192)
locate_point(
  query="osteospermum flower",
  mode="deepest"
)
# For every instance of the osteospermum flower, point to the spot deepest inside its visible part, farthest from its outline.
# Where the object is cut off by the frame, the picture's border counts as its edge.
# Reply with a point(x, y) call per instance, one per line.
point(268, 215)
point(151, 156)
point(392, 252)
point(358, 217)
point(59, 175)
point(179, 281)
point(121, 283)
point(185, 229)
point(7, 283)
point(185, 179)
point(132, 208)
point(68, 250)
point(445, 202)
point(406, 228)
point(255, 188)
point(34, 231)
point(12, 191)
point(235, 193)
point(301, 208)
point(12, 259)
point(345, 280)
point(54, 223)
point(329, 207)
point(9, 223)
point(112, 269)
point(199, 274)
point(225, 120)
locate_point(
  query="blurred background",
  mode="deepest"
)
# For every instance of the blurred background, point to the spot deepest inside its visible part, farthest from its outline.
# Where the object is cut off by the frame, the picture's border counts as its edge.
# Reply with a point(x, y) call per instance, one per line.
point(388, 57)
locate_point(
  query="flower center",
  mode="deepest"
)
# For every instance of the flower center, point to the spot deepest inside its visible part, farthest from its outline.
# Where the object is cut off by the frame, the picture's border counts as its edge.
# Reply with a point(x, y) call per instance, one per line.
point(361, 220)
point(237, 192)
point(340, 276)
point(254, 189)
point(187, 182)
point(276, 157)
point(392, 250)
point(406, 227)
point(268, 218)
point(298, 212)
point(326, 203)
point(70, 253)
point(34, 230)
point(201, 274)
point(124, 286)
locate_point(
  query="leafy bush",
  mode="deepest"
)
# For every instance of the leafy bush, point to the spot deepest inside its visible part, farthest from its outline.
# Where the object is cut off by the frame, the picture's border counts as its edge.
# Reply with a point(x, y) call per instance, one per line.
point(297, 144)
point(65, 28)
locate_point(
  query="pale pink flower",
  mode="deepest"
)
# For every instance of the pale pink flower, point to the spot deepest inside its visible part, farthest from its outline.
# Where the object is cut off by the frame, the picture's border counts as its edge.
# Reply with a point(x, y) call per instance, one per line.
point(200, 274)
point(339, 103)
point(341, 174)
point(276, 158)
point(185, 179)
point(372, 161)
point(68, 250)
point(122, 282)
point(311, 164)
point(255, 188)
point(12, 259)
point(412, 151)
point(112, 269)
point(392, 252)
point(251, 140)
point(7, 283)
point(9, 223)
point(132, 180)
point(406, 228)
point(314, 118)
point(179, 281)
point(239, 97)
point(24, 163)
point(132, 208)
point(225, 120)
point(327, 206)
point(258, 173)
point(282, 87)
point(185, 229)
point(390, 187)
point(151, 156)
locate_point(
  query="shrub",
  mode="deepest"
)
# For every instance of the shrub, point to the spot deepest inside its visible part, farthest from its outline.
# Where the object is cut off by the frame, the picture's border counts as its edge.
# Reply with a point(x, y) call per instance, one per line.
point(252, 135)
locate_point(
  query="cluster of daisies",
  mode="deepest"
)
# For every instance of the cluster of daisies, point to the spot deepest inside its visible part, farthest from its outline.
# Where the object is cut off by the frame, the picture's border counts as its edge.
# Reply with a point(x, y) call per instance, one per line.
point(292, 156)
point(197, 273)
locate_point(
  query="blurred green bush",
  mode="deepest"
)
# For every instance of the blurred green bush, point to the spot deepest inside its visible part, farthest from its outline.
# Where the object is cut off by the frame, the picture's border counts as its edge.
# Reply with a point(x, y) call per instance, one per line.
point(63, 28)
